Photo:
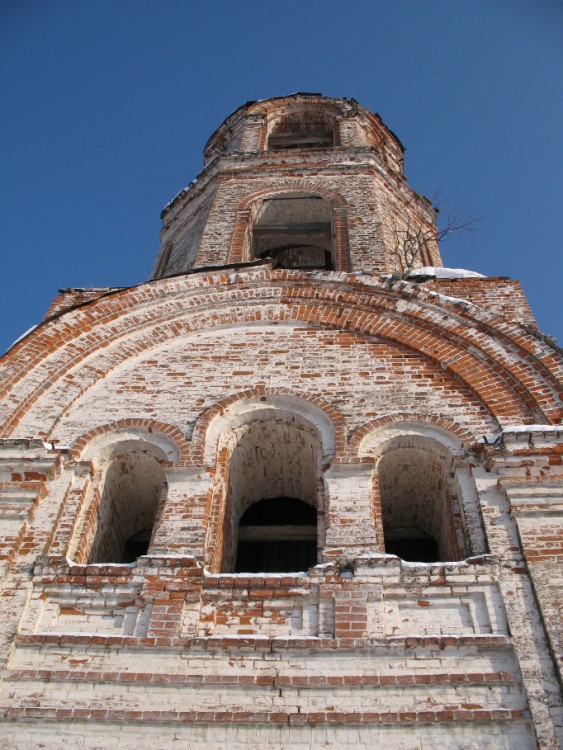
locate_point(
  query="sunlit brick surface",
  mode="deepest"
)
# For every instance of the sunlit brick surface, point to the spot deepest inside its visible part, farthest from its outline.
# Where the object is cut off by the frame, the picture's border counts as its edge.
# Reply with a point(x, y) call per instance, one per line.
point(138, 426)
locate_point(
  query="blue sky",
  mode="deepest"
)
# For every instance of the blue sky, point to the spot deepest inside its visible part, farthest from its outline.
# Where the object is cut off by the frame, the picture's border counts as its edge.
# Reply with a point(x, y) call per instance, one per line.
point(106, 106)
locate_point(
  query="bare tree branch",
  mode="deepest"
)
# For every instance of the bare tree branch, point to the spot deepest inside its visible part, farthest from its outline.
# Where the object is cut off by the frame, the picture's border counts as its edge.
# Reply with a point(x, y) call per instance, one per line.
point(413, 243)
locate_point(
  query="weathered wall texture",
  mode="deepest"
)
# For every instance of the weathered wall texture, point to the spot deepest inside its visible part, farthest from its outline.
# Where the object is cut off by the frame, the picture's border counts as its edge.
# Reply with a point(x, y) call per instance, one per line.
point(138, 426)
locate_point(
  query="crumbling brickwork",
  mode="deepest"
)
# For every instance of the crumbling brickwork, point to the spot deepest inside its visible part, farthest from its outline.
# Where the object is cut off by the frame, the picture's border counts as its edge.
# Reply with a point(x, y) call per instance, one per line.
point(171, 453)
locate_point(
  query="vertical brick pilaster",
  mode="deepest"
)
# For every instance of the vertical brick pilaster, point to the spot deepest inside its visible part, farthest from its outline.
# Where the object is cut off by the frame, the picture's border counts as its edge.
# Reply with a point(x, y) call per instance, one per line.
point(254, 134)
point(350, 612)
point(165, 596)
point(166, 615)
point(240, 239)
point(343, 262)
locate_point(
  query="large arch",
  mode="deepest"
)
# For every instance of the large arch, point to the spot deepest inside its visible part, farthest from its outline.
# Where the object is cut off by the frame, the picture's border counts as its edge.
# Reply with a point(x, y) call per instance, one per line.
point(302, 126)
point(168, 438)
point(511, 371)
point(275, 110)
point(367, 440)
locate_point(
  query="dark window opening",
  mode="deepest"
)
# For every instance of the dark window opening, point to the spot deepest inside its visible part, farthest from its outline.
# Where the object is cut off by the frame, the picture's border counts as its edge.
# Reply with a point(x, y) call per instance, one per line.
point(136, 546)
point(277, 535)
point(297, 132)
point(295, 231)
point(411, 545)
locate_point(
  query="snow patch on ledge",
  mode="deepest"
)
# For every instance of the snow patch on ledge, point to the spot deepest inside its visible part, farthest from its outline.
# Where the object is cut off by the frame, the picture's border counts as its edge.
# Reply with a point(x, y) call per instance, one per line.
point(302, 574)
point(446, 273)
point(532, 428)
point(21, 338)
point(521, 429)
point(72, 564)
point(451, 564)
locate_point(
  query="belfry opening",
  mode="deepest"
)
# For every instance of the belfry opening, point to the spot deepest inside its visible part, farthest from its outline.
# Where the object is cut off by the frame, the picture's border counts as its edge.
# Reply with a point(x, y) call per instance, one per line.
point(294, 230)
point(305, 129)
point(119, 517)
point(274, 495)
point(420, 504)
point(276, 535)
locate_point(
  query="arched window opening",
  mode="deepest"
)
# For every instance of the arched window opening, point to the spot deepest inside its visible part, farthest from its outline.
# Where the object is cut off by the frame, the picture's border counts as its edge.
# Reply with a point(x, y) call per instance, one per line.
point(124, 518)
point(418, 506)
point(277, 535)
point(302, 130)
point(274, 496)
point(296, 231)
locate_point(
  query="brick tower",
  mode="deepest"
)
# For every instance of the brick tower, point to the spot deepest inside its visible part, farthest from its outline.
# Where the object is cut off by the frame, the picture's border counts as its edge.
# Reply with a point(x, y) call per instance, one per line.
point(301, 489)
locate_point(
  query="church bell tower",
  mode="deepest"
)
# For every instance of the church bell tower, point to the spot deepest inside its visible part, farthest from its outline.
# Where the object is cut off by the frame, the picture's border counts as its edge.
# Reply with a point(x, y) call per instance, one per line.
point(302, 488)
point(347, 207)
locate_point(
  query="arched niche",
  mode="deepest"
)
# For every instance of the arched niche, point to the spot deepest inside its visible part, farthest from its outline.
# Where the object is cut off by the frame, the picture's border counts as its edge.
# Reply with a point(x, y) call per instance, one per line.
point(418, 502)
point(268, 489)
point(295, 230)
point(119, 517)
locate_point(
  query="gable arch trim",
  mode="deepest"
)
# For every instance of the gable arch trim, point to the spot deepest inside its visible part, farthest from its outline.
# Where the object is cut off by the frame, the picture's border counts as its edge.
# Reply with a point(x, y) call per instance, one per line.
point(344, 309)
point(292, 186)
